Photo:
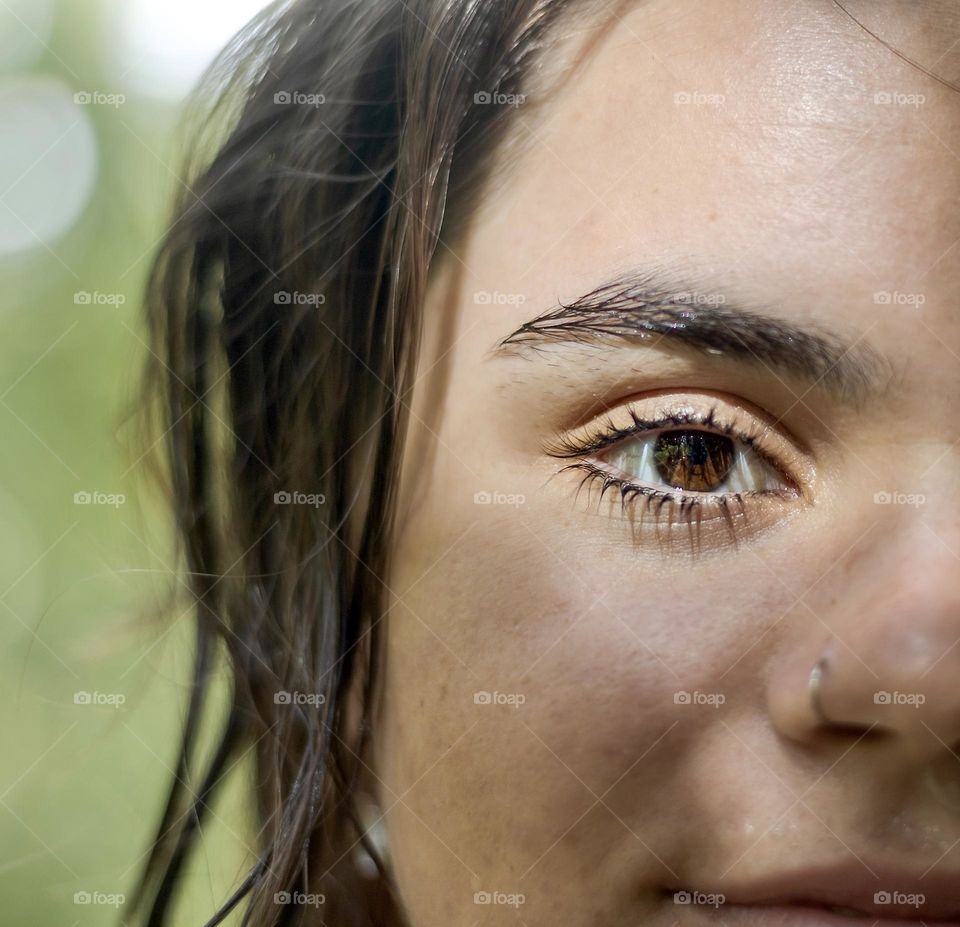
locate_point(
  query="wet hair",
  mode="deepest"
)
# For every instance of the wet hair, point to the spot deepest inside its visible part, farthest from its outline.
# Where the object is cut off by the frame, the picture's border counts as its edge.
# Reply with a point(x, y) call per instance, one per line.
point(348, 142)
point(343, 149)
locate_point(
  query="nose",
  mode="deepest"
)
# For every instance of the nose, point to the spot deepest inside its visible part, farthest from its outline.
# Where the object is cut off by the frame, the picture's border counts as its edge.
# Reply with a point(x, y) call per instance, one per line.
point(885, 660)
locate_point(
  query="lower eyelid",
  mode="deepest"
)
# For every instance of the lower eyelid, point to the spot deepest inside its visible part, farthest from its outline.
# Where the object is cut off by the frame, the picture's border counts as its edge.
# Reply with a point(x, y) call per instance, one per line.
point(689, 521)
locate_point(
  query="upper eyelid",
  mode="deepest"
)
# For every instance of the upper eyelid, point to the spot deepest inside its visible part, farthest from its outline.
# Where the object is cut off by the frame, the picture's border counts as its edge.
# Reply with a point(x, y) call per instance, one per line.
point(608, 434)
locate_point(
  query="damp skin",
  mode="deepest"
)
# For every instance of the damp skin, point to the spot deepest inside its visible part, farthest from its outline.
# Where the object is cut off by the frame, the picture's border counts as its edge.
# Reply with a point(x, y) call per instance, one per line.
point(620, 615)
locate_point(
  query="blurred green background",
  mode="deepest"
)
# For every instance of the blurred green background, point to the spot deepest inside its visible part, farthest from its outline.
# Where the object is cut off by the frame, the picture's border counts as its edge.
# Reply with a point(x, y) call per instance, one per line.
point(92, 684)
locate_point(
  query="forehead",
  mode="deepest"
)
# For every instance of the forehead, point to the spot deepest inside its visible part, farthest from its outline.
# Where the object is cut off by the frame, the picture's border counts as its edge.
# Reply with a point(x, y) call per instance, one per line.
point(777, 145)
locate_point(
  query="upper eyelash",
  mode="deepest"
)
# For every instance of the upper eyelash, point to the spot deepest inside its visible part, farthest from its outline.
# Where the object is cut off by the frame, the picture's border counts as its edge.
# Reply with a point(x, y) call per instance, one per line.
point(608, 435)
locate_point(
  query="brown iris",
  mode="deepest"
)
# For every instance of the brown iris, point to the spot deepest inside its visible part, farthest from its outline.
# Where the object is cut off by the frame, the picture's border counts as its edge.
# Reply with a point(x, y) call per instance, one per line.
point(693, 461)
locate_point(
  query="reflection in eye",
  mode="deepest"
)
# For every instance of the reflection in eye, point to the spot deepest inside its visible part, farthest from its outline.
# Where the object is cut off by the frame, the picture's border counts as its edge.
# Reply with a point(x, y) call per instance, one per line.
point(695, 461)
point(719, 466)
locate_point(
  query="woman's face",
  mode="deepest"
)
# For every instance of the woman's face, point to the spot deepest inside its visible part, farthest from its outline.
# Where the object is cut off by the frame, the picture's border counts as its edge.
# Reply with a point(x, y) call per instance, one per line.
point(598, 695)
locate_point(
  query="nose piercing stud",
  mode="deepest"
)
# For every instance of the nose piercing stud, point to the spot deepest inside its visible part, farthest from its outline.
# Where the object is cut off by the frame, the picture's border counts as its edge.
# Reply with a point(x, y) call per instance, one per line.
point(813, 684)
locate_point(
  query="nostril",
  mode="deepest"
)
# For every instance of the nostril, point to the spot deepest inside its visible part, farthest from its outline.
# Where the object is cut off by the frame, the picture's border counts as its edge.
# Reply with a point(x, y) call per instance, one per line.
point(898, 688)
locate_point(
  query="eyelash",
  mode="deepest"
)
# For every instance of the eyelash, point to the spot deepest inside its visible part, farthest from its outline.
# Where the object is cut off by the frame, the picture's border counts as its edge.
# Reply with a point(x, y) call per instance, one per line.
point(667, 507)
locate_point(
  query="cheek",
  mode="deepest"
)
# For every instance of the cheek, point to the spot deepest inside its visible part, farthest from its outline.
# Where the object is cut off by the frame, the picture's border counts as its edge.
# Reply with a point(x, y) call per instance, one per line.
point(528, 666)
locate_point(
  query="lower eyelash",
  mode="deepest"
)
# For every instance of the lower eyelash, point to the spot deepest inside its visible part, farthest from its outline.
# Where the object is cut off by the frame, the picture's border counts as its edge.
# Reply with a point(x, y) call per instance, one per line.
point(669, 509)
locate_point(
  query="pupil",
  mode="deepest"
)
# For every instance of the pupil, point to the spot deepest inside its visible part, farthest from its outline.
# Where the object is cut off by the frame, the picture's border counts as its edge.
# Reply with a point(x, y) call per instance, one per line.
point(694, 461)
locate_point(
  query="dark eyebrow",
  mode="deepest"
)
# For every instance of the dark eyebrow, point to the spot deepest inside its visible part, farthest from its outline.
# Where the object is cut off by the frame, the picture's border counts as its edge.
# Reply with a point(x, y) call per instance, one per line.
point(642, 309)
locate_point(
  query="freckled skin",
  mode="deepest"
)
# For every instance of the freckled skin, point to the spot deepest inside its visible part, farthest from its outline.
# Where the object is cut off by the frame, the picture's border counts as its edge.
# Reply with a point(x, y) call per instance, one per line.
point(599, 791)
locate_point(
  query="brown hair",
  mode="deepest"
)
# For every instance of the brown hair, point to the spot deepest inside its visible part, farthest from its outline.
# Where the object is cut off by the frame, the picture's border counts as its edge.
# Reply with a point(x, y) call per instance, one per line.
point(352, 138)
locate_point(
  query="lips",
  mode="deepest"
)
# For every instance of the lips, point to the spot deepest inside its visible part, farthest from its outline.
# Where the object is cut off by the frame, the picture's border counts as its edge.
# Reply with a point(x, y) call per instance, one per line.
point(813, 895)
point(813, 916)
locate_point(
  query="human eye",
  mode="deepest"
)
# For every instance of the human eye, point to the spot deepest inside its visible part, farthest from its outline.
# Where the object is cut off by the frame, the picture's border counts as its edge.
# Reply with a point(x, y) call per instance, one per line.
point(688, 459)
